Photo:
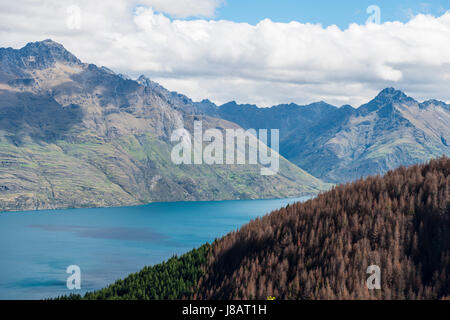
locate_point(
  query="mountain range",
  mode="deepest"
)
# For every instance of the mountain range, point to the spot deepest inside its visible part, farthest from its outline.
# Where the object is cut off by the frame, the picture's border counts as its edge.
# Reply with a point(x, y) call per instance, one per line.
point(74, 134)
point(342, 144)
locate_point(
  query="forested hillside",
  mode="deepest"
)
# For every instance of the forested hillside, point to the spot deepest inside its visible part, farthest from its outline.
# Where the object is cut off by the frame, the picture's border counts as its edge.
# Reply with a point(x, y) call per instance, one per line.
point(321, 249)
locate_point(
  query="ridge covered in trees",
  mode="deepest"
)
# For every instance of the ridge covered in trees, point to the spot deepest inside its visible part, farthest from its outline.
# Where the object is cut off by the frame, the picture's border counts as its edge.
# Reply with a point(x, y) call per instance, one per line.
point(322, 248)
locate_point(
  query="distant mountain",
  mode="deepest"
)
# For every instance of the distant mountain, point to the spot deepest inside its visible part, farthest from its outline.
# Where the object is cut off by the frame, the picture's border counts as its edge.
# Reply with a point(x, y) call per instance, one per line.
point(76, 135)
point(322, 249)
point(344, 144)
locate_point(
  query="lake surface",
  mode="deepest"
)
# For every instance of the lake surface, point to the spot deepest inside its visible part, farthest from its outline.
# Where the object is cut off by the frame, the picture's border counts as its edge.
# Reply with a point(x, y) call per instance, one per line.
point(109, 243)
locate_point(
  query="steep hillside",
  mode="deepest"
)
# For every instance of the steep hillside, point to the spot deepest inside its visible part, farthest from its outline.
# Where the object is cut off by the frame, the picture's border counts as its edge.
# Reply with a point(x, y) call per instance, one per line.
point(344, 144)
point(321, 249)
point(76, 135)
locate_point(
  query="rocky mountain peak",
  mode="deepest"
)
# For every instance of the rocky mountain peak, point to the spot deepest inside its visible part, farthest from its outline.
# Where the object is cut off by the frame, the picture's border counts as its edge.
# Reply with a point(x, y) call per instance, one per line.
point(143, 80)
point(146, 82)
point(48, 51)
point(392, 95)
point(434, 103)
point(37, 55)
point(385, 101)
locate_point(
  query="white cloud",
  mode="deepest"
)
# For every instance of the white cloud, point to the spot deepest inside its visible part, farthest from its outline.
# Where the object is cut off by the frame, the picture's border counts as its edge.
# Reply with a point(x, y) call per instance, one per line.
point(266, 64)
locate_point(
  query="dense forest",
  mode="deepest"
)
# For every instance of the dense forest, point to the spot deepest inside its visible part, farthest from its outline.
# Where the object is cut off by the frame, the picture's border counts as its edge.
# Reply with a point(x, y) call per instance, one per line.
point(172, 280)
point(321, 249)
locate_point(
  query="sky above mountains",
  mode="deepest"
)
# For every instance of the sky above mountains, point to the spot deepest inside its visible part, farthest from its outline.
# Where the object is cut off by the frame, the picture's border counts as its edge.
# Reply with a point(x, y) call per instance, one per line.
point(325, 12)
point(261, 52)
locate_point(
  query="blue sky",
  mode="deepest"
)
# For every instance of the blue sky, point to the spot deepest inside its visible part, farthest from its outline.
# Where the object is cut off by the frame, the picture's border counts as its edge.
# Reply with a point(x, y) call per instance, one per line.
point(326, 12)
point(263, 63)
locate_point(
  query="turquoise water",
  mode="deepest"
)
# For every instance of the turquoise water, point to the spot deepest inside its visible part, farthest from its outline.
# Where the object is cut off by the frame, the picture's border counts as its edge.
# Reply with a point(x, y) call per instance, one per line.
point(108, 243)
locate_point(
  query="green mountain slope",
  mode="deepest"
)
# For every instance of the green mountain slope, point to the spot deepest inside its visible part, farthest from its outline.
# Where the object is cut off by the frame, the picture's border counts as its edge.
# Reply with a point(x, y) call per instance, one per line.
point(76, 135)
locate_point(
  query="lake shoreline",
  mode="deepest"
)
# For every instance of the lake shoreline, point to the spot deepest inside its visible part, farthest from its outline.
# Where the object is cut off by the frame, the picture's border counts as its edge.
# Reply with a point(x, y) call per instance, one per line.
point(301, 195)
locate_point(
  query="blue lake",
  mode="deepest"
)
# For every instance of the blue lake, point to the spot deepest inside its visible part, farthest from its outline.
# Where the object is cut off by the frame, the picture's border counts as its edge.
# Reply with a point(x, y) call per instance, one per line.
point(109, 243)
